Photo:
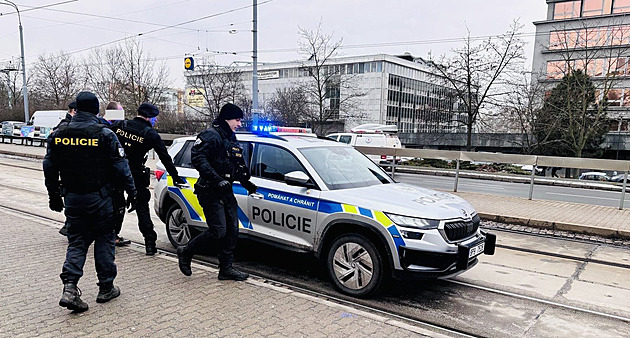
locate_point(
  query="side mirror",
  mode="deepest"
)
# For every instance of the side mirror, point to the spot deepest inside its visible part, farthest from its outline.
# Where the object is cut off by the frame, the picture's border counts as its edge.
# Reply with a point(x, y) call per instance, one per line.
point(298, 178)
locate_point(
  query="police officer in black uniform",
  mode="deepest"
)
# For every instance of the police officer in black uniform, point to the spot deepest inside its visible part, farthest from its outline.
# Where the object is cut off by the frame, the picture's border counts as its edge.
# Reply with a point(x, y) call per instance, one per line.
point(138, 137)
point(72, 110)
point(89, 159)
point(218, 157)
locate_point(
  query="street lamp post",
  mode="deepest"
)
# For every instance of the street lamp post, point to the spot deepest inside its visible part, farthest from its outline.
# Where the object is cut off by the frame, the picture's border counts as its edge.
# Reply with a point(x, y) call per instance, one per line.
point(24, 88)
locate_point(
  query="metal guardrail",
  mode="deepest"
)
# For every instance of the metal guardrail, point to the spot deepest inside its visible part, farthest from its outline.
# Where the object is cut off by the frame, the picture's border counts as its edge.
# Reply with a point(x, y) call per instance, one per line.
point(534, 160)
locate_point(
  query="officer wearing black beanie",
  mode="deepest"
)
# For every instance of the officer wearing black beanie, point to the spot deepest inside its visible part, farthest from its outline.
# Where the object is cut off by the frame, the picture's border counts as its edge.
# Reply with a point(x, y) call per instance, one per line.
point(138, 137)
point(90, 161)
point(218, 157)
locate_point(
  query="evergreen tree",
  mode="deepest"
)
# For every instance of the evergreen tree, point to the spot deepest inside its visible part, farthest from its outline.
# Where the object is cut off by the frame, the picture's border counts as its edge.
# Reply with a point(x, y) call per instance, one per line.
point(572, 121)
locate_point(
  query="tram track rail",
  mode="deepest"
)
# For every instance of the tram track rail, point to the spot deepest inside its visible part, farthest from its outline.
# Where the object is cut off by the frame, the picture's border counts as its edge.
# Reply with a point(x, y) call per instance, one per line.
point(382, 308)
point(379, 308)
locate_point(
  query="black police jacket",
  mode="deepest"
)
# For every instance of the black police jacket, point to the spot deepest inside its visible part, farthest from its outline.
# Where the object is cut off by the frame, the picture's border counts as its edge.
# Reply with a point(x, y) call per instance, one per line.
point(138, 137)
point(64, 122)
point(87, 157)
point(218, 156)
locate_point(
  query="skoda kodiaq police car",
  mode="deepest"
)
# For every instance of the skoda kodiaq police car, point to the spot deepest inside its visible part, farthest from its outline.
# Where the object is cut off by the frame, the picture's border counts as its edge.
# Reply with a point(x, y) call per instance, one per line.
point(324, 197)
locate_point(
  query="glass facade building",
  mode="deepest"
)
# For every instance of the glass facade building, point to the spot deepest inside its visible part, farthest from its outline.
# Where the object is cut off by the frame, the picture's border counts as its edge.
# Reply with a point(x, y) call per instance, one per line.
point(400, 90)
point(591, 35)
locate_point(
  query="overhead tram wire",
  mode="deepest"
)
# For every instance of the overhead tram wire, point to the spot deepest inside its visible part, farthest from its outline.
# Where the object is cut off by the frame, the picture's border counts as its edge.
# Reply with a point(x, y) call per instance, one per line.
point(32, 8)
point(169, 27)
point(400, 43)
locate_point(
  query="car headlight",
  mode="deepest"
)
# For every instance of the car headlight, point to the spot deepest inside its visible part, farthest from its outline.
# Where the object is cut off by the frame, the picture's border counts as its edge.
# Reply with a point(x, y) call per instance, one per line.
point(414, 222)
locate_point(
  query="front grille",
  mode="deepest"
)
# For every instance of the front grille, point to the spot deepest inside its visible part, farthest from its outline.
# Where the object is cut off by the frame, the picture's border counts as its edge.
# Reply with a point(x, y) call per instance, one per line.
point(460, 230)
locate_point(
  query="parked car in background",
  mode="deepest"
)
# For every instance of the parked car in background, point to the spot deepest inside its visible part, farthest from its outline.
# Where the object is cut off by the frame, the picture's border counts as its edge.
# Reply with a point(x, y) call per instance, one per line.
point(594, 176)
point(617, 178)
point(371, 135)
point(47, 118)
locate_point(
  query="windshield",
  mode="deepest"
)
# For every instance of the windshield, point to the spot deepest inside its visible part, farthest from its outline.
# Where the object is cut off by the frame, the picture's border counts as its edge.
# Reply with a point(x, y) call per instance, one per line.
point(344, 167)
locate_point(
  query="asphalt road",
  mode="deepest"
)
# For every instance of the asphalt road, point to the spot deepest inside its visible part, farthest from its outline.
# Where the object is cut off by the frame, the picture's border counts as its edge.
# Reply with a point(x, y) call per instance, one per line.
point(545, 192)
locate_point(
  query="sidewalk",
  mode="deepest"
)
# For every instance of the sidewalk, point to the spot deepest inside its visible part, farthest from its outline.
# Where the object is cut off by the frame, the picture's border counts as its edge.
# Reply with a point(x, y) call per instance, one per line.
point(157, 300)
point(581, 218)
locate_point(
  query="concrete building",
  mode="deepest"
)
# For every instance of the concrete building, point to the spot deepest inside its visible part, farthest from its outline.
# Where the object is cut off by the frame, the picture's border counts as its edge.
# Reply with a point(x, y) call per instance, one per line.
point(402, 90)
point(172, 100)
point(591, 35)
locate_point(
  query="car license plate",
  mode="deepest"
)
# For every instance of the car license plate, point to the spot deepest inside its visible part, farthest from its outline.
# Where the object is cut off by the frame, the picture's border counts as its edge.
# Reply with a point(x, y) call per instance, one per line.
point(476, 250)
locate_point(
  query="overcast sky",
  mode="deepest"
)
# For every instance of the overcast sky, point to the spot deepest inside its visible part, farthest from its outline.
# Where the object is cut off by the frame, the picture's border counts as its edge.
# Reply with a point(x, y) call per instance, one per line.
point(172, 29)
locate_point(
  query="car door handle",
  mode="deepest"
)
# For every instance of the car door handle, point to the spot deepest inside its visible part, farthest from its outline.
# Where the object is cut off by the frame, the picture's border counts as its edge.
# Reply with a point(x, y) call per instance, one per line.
point(257, 196)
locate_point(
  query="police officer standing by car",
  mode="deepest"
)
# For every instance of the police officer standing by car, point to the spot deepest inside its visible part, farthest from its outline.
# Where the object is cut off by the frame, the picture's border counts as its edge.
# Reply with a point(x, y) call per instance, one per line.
point(89, 159)
point(138, 137)
point(218, 157)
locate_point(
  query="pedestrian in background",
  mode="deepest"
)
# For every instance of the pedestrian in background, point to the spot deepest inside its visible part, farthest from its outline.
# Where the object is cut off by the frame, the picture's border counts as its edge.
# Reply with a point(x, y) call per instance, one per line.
point(137, 136)
point(118, 194)
point(89, 159)
point(72, 109)
point(218, 157)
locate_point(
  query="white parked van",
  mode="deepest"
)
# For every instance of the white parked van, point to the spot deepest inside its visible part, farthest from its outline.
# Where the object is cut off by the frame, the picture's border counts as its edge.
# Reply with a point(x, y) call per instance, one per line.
point(47, 118)
point(371, 135)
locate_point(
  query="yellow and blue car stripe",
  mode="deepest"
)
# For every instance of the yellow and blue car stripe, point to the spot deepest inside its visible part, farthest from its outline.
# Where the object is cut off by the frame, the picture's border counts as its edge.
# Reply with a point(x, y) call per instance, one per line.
point(188, 197)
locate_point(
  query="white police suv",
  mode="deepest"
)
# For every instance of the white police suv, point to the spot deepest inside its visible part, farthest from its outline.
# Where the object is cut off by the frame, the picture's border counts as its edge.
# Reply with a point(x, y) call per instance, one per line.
point(324, 197)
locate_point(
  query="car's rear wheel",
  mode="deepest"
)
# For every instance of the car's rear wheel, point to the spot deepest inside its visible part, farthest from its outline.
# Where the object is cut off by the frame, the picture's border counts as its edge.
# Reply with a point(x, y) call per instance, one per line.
point(355, 265)
point(178, 230)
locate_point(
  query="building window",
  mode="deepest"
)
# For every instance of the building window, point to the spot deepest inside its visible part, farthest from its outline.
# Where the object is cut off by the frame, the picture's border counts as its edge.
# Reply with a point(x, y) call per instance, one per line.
point(566, 10)
point(596, 7)
point(618, 66)
point(556, 69)
point(614, 97)
point(621, 6)
point(595, 67)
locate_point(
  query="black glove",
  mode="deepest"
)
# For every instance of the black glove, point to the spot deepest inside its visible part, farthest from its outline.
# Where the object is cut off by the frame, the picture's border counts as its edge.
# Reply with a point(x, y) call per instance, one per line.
point(132, 202)
point(251, 187)
point(178, 181)
point(225, 186)
point(55, 203)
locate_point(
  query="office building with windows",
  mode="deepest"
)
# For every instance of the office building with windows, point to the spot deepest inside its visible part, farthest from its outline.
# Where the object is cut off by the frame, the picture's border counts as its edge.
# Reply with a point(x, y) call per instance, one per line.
point(405, 91)
point(591, 35)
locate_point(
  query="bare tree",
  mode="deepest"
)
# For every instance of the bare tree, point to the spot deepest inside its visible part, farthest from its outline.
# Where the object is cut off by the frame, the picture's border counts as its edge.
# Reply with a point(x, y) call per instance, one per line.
point(288, 105)
point(331, 90)
point(518, 110)
point(145, 80)
point(477, 70)
point(127, 74)
point(11, 102)
point(56, 79)
point(104, 73)
point(217, 85)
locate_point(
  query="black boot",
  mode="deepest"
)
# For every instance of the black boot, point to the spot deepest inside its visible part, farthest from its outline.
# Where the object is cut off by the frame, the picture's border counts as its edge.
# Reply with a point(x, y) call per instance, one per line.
point(71, 298)
point(107, 293)
point(121, 241)
point(184, 261)
point(233, 274)
point(150, 248)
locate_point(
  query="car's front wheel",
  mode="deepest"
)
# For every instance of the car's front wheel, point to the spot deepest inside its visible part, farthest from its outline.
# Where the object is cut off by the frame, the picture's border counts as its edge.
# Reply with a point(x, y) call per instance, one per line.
point(355, 265)
point(178, 230)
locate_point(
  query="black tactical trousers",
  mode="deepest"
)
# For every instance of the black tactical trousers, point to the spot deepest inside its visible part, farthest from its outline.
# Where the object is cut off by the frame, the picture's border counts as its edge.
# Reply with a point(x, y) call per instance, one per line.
point(220, 210)
point(145, 224)
point(89, 220)
point(118, 200)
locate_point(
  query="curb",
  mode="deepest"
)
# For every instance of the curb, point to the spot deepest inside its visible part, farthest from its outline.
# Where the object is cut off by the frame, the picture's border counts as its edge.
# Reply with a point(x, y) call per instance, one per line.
point(13, 153)
point(552, 225)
